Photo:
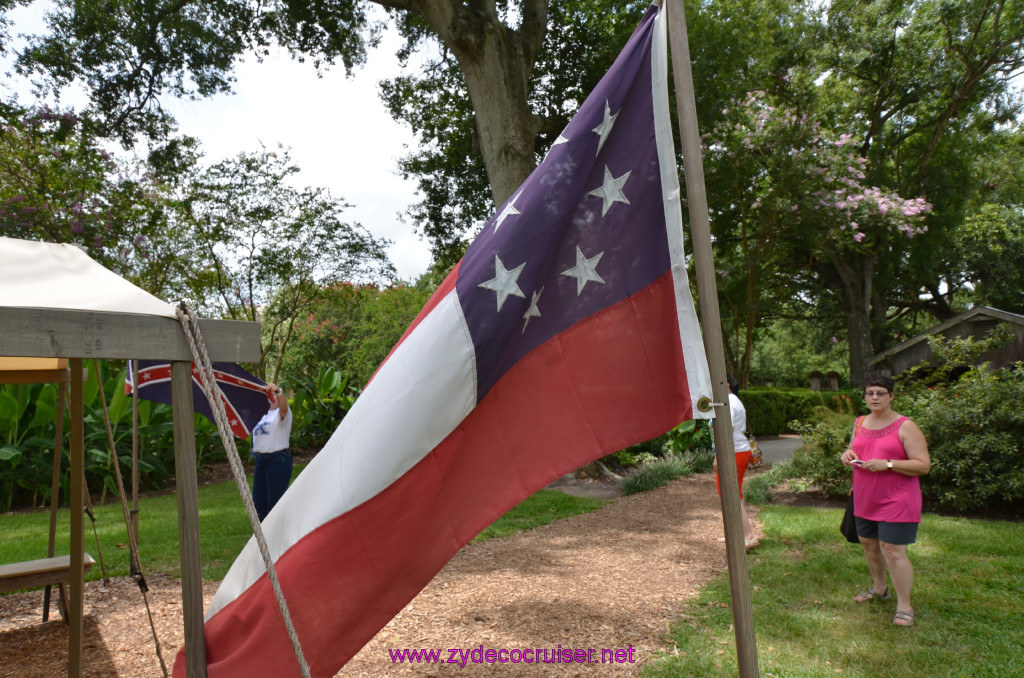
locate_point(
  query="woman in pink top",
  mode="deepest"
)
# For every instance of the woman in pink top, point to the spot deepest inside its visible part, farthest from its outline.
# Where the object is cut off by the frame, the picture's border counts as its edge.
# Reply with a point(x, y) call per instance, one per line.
point(888, 453)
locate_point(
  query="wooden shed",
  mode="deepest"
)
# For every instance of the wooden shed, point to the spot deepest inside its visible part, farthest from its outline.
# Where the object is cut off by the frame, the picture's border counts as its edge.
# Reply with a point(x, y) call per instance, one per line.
point(978, 322)
point(56, 302)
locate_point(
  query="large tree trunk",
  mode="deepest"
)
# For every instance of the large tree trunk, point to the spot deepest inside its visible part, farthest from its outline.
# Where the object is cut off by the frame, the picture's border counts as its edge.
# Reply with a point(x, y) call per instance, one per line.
point(853, 281)
point(496, 63)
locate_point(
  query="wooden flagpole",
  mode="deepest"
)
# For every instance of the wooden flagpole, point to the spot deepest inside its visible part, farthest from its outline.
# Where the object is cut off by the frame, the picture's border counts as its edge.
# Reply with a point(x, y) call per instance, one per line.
point(707, 295)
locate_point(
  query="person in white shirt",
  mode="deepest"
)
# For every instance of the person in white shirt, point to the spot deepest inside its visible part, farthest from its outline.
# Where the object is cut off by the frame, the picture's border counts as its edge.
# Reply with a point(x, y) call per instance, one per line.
point(741, 446)
point(273, 469)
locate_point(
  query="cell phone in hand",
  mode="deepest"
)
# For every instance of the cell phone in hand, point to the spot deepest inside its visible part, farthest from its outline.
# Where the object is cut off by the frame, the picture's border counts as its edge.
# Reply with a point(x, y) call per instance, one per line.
point(857, 462)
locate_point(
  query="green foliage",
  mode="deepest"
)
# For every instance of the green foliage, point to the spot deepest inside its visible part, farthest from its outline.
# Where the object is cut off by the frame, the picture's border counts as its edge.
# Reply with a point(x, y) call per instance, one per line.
point(351, 329)
point(772, 411)
point(817, 461)
point(319, 407)
point(757, 487)
point(258, 248)
point(690, 436)
point(789, 350)
point(28, 415)
point(991, 243)
point(58, 184)
point(131, 57)
point(658, 472)
point(972, 424)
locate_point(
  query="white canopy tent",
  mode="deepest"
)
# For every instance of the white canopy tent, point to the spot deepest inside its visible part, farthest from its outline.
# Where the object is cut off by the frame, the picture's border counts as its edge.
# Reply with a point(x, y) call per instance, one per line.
point(58, 303)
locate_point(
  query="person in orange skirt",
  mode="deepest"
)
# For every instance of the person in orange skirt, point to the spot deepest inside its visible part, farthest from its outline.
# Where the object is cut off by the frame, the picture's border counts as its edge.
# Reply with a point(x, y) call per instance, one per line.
point(742, 448)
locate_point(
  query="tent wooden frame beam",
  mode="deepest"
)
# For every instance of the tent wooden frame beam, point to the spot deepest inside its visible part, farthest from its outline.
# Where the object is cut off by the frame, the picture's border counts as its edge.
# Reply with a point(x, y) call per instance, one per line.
point(60, 333)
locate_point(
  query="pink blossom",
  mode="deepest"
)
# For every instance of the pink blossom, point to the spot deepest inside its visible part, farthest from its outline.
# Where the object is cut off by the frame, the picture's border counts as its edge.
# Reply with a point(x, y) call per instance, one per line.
point(858, 236)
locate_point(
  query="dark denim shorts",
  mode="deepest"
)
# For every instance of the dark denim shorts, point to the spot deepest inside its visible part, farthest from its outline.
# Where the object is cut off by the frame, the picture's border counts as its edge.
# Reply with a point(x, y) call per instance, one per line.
point(890, 533)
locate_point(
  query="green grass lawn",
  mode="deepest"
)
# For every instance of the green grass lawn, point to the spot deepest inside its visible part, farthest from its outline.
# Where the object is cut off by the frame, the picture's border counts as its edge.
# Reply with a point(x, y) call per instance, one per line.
point(968, 594)
point(223, 530)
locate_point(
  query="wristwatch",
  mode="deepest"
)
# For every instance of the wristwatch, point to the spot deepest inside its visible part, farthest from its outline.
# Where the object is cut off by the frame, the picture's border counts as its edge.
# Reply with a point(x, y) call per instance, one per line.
point(888, 464)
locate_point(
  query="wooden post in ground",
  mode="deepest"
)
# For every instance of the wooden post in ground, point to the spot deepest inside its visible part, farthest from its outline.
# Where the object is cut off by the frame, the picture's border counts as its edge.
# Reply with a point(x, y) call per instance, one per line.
point(711, 324)
point(58, 452)
point(188, 518)
point(77, 517)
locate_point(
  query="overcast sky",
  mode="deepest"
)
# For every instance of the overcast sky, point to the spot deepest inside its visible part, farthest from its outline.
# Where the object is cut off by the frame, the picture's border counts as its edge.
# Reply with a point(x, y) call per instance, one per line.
point(338, 130)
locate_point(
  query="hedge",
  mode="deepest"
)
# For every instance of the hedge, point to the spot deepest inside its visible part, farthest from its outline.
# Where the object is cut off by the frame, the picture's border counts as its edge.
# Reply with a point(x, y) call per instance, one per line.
point(770, 411)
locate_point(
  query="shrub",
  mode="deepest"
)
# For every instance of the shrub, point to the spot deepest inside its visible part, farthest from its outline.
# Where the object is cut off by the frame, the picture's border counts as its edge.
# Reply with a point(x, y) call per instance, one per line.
point(818, 460)
point(757, 488)
point(659, 472)
point(975, 438)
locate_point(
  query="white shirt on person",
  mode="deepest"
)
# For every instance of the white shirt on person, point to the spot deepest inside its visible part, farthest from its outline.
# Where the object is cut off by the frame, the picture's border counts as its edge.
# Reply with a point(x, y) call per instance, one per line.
point(272, 434)
point(738, 413)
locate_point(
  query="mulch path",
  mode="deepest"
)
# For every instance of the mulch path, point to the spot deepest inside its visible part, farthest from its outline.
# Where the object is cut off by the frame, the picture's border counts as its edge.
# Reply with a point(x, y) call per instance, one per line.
point(615, 578)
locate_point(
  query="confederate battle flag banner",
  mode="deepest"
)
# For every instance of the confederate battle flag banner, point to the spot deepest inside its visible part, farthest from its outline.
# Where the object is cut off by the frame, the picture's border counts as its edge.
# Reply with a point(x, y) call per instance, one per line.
point(566, 333)
point(245, 396)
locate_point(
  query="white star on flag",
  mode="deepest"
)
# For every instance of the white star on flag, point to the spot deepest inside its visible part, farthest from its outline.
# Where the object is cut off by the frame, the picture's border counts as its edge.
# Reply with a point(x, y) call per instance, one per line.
point(558, 142)
point(533, 311)
point(504, 281)
point(611, 191)
point(605, 128)
point(508, 211)
point(584, 271)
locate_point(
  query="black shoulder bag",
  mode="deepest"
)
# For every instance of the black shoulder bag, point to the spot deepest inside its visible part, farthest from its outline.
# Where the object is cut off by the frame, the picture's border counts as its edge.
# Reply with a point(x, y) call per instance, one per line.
point(848, 526)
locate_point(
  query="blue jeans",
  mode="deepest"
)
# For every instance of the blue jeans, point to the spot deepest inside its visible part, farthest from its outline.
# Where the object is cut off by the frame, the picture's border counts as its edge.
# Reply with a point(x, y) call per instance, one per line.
point(270, 479)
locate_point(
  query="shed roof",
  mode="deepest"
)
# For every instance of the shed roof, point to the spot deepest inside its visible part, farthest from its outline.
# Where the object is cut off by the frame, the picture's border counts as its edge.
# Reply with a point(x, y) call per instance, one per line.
point(1003, 316)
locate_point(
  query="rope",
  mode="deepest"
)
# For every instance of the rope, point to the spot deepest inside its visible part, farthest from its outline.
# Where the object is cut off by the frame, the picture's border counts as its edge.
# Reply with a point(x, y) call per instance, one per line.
point(213, 394)
point(133, 543)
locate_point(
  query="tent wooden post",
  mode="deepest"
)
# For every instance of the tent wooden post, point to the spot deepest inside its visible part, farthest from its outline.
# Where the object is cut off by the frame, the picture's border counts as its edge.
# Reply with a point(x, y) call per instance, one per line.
point(707, 294)
point(58, 452)
point(135, 567)
point(188, 518)
point(77, 510)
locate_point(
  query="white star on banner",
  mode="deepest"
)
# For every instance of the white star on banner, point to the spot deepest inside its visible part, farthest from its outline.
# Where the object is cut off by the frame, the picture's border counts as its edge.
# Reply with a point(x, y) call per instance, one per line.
point(605, 128)
point(508, 211)
point(532, 311)
point(559, 141)
point(504, 281)
point(585, 270)
point(611, 191)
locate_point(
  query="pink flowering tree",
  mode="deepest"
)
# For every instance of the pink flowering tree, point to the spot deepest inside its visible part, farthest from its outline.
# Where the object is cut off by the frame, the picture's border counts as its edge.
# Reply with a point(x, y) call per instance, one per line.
point(57, 183)
point(793, 216)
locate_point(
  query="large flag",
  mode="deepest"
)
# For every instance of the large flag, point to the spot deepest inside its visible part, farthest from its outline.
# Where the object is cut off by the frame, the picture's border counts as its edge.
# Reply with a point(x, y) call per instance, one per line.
point(567, 332)
point(245, 396)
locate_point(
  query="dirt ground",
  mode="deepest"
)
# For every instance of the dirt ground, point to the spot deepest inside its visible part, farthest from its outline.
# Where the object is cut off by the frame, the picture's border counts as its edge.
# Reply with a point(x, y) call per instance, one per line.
point(614, 579)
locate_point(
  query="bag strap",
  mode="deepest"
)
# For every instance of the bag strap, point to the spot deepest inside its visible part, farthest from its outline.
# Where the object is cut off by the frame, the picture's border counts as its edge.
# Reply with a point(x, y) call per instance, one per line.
point(856, 426)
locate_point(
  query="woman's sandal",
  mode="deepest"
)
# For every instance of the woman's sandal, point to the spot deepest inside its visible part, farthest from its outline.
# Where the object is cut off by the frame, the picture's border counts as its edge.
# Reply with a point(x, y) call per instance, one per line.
point(870, 594)
point(903, 618)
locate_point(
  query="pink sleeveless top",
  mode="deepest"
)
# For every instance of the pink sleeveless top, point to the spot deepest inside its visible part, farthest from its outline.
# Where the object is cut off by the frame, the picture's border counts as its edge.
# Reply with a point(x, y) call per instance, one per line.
point(887, 495)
